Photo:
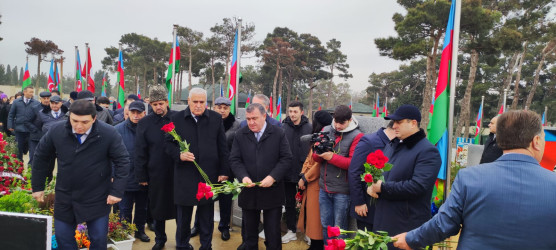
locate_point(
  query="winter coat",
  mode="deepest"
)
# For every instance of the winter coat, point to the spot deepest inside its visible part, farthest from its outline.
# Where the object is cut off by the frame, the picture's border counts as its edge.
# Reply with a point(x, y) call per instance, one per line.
point(84, 170)
point(4, 111)
point(207, 141)
point(21, 115)
point(299, 150)
point(309, 214)
point(491, 151)
point(154, 166)
point(269, 120)
point(45, 120)
point(404, 202)
point(128, 130)
point(271, 155)
point(231, 125)
point(333, 173)
point(357, 188)
point(104, 115)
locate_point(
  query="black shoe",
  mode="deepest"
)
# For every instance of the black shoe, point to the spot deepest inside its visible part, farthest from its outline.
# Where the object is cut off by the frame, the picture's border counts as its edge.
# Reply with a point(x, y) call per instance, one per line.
point(150, 226)
point(242, 246)
point(225, 235)
point(158, 246)
point(142, 236)
point(194, 232)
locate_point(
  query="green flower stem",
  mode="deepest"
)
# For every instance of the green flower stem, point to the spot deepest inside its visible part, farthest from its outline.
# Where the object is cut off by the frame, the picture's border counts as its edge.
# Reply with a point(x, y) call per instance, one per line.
point(184, 147)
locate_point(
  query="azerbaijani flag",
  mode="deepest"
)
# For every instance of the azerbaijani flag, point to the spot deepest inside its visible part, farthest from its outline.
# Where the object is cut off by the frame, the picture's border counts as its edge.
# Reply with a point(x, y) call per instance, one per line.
point(232, 86)
point(248, 99)
point(544, 118)
point(87, 71)
point(279, 109)
point(270, 104)
point(78, 77)
point(51, 77)
point(103, 91)
point(172, 65)
point(438, 131)
point(374, 110)
point(548, 160)
point(139, 93)
point(58, 87)
point(320, 106)
point(121, 94)
point(377, 106)
point(501, 111)
point(26, 77)
point(384, 110)
point(478, 126)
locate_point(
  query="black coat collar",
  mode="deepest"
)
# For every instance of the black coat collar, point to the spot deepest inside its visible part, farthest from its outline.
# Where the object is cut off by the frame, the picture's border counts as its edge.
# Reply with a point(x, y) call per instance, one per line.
point(267, 131)
point(187, 112)
point(413, 139)
point(229, 121)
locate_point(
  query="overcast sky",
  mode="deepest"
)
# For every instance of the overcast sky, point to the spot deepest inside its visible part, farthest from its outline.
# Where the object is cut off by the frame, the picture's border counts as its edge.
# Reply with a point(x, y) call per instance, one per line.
point(101, 23)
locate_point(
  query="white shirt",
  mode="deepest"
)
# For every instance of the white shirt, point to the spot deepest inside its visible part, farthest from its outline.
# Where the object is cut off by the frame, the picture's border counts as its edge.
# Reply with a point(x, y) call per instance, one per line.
point(54, 113)
point(84, 136)
point(259, 134)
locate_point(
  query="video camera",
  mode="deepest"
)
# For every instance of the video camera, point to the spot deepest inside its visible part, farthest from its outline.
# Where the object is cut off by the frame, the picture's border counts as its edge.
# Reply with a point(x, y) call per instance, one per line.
point(322, 143)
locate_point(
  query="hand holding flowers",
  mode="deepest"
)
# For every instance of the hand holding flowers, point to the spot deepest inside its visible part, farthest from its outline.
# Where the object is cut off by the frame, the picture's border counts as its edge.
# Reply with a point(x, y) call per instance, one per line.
point(363, 239)
point(375, 167)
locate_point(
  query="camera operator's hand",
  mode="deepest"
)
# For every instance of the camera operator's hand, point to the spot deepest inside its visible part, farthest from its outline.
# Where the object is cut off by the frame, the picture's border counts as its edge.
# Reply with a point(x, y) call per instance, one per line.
point(326, 155)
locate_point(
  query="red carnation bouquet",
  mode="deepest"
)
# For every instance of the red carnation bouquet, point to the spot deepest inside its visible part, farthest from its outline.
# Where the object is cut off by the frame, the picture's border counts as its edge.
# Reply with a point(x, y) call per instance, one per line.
point(206, 190)
point(376, 165)
point(363, 239)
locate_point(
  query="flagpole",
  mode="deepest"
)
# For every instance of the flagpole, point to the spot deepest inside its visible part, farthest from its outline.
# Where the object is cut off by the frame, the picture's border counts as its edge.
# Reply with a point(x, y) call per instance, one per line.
point(482, 112)
point(119, 63)
point(75, 83)
point(453, 73)
point(236, 91)
point(504, 102)
point(173, 81)
point(545, 115)
point(86, 65)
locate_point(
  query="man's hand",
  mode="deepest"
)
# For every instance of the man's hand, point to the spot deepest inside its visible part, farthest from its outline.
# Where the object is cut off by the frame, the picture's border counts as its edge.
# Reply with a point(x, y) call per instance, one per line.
point(361, 210)
point(222, 178)
point(111, 200)
point(143, 183)
point(267, 181)
point(39, 196)
point(11, 129)
point(326, 155)
point(400, 241)
point(187, 156)
point(248, 180)
point(374, 189)
point(301, 184)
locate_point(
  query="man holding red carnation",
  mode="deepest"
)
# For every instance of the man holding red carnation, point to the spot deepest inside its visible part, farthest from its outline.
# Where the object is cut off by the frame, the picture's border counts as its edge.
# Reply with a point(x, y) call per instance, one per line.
point(404, 197)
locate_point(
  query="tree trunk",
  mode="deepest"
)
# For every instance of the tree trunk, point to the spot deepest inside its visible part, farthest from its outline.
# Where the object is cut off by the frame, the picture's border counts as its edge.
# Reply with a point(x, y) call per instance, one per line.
point(466, 102)
point(427, 92)
point(547, 50)
point(212, 69)
point(466, 127)
point(136, 82)
point(310, 109)
point(180, 87)
point(39, 72)
point(518, 77)
point(274, 97)
point(189, 71)
point(508, 80)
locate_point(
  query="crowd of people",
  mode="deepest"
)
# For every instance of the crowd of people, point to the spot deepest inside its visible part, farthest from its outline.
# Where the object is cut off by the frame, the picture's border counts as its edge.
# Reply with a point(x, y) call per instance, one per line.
point(121, 156)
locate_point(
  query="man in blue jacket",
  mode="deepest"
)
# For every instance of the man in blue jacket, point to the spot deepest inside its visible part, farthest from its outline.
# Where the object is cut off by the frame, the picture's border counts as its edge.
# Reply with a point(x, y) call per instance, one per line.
point(506, 204)
point(134, 193)
point(404, 197)
point(361, 207)
point(20, 119)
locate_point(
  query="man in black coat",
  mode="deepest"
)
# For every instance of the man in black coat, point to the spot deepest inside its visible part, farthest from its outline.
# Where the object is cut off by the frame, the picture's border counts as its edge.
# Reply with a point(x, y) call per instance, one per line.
point(204, 131)
point(404, 197)
point(491, 151)
point(85, 191)
point(260, 153)
point(20, 120)
point(153, 167)
point(37, 133)
point(295, 126)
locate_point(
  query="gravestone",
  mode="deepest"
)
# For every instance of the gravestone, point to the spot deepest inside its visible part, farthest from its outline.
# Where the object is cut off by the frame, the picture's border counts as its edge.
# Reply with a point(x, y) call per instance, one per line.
point(25, 231)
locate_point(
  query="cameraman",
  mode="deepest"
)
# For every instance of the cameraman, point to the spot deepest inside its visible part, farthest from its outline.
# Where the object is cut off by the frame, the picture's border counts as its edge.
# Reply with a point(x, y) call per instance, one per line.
point(333, 182)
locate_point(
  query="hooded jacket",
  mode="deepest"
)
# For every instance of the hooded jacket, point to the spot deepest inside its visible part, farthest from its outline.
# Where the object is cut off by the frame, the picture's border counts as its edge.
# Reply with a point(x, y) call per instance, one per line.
point(299, 150)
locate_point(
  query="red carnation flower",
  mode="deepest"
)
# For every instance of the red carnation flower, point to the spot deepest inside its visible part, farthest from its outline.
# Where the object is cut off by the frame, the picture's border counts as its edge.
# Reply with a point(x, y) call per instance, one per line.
point(14, 155)
point(377, 159)
point(298, 197)
point(168, 127)
point(6, 183)
point(1, 169)
point(209, 195)
point(368, 178)
point(3, 151)
point(10, 169)
point(10, 164)
point(333, 231)
point(6, 157)
point(20, 170)
point(199, 196)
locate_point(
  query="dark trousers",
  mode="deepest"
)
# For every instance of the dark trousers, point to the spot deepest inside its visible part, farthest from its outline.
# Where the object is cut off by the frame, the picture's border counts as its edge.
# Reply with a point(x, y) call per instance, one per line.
point(290, 190)
point(160, 231)
point(271, 218)
point(225, 206)
point(139, 198)
point(206, 225)
point(97, 230)
point(22, 139)
point(32, 147)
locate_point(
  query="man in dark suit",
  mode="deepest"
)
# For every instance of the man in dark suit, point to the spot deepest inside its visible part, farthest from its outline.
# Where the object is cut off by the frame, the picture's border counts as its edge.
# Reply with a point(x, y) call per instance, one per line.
point(404, 197)
point(506, 204)
point(20, 120)
point(491, 150)
point(204, 131)
point(85, 187)
point(260, 153)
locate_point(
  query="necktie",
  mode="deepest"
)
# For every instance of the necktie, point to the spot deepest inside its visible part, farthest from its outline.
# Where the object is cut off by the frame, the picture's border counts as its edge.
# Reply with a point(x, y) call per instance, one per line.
point(78, 136)
point(56, 115)
point(258, 136)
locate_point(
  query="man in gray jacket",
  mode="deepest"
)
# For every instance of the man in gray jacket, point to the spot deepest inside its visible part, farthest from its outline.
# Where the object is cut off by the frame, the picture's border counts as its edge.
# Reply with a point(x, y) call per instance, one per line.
point(20, 119)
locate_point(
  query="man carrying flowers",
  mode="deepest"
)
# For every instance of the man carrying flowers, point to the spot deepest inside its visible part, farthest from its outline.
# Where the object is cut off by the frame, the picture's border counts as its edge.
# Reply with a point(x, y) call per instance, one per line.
point(203, 130)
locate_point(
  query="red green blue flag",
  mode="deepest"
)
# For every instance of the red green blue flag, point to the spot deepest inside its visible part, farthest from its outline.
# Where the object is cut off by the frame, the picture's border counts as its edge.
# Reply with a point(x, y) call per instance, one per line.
point(478, 126)
point(270, 105)
point(58, 87)
point(279, 109)
point(234, 71)
point(384, 110)
point(377, 107)
point(78, 78)
point(548, 160)
point(51, 77)
point(172, 65)
point(26, 77)
point(121, 94)
point(103, 90)
point(320, 106)
point(87, 71)
point(248, 99)
point(544, 118)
